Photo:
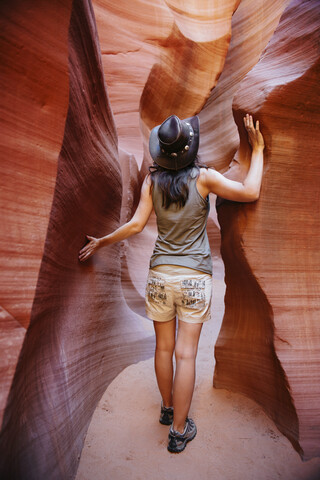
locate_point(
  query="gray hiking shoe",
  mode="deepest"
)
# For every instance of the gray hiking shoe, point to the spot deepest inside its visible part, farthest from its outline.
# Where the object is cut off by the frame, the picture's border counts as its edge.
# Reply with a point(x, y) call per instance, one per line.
point(178, 441)
point(166, 415)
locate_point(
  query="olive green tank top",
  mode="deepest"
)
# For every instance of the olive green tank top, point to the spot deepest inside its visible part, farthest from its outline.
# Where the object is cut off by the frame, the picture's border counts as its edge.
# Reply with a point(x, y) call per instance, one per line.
point(182, 236)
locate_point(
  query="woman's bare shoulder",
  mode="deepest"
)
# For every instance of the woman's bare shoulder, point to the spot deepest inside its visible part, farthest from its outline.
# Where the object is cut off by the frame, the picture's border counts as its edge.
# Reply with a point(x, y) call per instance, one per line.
point(207, 174)
point(203, 181)
point(147, 179)
point(146, 185)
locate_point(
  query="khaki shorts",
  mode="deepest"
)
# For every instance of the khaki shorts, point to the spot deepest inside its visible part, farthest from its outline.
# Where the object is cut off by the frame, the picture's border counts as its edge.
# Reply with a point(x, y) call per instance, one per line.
point(173, 290)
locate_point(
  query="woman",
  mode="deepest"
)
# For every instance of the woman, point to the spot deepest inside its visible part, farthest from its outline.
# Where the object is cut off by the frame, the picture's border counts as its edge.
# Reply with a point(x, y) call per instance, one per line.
point(179, 281)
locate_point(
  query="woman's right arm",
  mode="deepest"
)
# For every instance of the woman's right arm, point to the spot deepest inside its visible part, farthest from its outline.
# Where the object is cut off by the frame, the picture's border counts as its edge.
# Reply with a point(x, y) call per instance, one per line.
point(249, 189)
point(135, 225)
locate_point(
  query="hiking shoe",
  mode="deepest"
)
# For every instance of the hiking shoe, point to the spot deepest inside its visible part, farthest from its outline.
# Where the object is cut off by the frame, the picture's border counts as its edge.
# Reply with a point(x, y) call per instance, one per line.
point(166, 415)
point(178, 441)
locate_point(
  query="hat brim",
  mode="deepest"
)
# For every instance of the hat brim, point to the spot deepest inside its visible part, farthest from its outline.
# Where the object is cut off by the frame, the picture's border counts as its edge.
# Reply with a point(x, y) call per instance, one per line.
point(182, 160)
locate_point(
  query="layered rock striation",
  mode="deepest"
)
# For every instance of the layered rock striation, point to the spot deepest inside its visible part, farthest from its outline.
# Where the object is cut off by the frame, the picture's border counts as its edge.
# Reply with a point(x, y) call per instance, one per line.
point(34, 102)
point(81, 332)
point(269, 248)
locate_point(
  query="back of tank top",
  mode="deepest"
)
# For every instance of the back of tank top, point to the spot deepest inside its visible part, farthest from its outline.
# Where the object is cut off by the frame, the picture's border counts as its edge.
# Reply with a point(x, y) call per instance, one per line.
point(182, 235)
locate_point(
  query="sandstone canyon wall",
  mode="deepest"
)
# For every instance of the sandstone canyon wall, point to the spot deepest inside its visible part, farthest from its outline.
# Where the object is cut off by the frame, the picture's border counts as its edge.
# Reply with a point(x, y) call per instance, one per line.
point(34, 86)
point(72, 164)
point(81, 332)
point(270, 248)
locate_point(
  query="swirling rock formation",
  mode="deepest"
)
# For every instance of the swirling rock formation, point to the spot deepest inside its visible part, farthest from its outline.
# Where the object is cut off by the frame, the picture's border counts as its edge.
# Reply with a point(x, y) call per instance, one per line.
point(34, 104)
point(269, 248)
point(34, 82)
point(216, 59)
point(81, 332)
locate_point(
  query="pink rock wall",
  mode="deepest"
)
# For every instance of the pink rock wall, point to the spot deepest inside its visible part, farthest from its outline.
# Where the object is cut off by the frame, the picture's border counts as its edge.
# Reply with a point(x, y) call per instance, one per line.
point(34, 82)
point(157, 57)
point(269, 248)
point(160, 57)
point(34, 103)
point(81, 333)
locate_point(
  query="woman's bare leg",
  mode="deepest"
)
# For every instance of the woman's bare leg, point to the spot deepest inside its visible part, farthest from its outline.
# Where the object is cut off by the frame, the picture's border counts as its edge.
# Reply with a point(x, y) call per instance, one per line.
point(165, 344)
point(186, 353)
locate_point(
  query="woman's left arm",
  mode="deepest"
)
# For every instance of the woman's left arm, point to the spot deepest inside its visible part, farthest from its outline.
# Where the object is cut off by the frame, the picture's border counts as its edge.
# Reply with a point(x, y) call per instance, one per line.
point(135, 225)
point(249, 189)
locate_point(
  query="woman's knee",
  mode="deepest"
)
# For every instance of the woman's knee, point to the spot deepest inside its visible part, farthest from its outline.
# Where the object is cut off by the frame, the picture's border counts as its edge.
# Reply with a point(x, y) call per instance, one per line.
point(167, 347)
point(165, 344)
point(165, 336)
point(187, 340)
point(185, 352)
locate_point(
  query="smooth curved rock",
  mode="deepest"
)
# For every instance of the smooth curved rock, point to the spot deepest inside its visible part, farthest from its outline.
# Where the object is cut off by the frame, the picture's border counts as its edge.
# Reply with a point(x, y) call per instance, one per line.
point(34, 98)
point(34, 102)
point(253, 25)
point(154, 66)
point(131, 35)
point(203, 21)
point(81, 333)
point(269, 345)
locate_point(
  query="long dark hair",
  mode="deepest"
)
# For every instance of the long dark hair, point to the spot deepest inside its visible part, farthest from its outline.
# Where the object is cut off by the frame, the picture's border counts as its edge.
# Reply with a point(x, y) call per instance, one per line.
point(174, 184)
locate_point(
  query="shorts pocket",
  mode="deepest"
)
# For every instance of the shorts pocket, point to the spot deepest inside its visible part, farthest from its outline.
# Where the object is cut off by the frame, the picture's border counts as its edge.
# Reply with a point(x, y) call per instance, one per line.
point(193, 293)
point(156, 290)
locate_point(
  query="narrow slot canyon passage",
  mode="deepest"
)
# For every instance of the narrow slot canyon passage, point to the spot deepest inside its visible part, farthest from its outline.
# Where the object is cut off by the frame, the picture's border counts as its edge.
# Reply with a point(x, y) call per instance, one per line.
point(83, 83)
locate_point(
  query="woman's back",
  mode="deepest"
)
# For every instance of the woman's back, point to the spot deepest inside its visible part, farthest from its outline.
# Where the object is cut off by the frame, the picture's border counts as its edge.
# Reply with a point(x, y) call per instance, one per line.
point(182, 237)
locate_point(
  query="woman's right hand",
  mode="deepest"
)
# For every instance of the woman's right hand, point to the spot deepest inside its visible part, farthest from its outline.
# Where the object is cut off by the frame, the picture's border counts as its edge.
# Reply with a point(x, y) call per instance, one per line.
point(255, 136)
point(89, 249)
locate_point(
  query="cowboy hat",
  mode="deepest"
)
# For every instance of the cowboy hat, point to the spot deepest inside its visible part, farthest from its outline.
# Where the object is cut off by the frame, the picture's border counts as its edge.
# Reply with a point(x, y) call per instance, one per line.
point(174, 144)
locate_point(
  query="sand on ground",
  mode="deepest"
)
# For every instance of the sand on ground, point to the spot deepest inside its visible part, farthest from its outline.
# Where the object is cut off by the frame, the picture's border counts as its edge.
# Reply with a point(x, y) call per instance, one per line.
point(235, 439)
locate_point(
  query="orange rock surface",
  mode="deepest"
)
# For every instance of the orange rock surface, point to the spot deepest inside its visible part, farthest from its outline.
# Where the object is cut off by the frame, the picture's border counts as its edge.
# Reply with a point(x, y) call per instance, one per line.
point(34, 103)
point(72, 160)
point(34, 82)
point(81, 333)
point(270, 248)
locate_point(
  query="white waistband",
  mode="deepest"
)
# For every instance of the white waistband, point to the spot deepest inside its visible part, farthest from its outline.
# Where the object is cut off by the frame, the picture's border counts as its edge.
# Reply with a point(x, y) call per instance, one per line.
point(177, 270)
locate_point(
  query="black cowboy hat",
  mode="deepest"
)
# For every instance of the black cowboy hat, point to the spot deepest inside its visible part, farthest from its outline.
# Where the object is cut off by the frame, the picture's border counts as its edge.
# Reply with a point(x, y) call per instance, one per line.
point(174, 144)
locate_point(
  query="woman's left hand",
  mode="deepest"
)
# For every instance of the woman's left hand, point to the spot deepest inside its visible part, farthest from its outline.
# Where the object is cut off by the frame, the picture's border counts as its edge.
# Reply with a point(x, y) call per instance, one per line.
point(89, 249)
point(255, 136)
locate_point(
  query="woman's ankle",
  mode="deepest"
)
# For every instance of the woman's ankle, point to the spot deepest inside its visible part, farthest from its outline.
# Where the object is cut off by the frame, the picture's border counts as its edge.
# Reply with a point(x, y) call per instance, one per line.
point(167, 403)
point(179, 428)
